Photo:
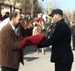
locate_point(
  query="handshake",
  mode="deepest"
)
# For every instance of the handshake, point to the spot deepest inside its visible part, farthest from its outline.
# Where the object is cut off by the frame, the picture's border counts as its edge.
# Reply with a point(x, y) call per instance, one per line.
point(34, 40)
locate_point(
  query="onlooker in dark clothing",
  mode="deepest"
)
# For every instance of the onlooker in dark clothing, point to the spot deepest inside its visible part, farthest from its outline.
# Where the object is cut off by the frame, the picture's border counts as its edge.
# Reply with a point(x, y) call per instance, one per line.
point(5, 16)
point(24, 28)
point(73, 36)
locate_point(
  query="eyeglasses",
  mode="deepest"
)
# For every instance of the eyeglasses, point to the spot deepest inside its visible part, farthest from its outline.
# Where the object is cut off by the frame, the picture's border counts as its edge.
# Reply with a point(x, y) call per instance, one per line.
point(52, 15)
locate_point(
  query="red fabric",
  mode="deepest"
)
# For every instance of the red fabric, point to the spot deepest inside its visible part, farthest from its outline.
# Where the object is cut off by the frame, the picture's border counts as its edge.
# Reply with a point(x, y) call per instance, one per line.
point(23, 42)
point(35, 40)
point(7, 15)
point(0, 16)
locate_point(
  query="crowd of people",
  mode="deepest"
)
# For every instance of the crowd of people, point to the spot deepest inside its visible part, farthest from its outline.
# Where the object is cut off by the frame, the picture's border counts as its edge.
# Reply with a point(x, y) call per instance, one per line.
point(19, 32)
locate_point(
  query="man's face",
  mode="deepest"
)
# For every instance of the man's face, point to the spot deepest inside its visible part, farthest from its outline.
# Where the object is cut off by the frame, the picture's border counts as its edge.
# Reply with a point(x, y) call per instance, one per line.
point(55, 18)
point(17, 19)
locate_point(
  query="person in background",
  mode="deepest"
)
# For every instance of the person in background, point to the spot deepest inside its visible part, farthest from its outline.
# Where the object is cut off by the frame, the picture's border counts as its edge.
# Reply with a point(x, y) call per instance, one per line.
point(40, 17)
point(31, 25)
point(38, 30)
point(73, 35)
point(46, 21)
point(5, 16)
point(24, 26)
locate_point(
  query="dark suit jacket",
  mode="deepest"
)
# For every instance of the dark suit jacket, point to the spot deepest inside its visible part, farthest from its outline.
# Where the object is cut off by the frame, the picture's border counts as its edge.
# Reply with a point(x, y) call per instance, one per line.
point(73, 30)
point(11, 53)
point(60, 41)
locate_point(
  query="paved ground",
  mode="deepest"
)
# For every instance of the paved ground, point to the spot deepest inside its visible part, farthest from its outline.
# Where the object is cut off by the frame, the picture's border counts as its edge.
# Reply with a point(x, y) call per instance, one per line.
point(38, 62)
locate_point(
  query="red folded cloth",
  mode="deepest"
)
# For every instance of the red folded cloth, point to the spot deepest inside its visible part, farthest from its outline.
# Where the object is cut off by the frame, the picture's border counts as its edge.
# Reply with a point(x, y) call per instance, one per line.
point(34, 40)
point(23, 42)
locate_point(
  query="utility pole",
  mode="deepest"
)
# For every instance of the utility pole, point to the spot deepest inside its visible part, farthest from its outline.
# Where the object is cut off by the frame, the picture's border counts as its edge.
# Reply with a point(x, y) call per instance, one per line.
point(49, 10)
point(32, 9)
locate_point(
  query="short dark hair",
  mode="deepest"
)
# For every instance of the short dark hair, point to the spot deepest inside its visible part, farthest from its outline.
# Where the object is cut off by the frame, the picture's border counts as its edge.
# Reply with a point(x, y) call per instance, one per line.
point(12, 15)
point(56, 11)
point(7, 13)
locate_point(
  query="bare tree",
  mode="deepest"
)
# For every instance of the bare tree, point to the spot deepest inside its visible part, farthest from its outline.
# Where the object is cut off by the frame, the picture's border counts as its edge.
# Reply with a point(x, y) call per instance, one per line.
point(26, 6)
point(38, 8)
point(54, 4)
point(2, 0)
point(74, 15)
point(66, 18)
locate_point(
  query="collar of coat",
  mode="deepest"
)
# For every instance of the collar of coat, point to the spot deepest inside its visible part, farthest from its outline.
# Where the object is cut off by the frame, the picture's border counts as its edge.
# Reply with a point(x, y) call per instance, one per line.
point(58, 23)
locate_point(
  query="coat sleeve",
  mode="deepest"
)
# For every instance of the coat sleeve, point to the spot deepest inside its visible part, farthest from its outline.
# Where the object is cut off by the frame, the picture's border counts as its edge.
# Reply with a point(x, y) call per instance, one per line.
point(56, 37)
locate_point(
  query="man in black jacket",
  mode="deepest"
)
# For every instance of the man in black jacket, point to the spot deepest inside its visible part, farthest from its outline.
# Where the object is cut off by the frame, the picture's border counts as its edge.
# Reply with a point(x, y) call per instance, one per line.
point(60, 40)
point(73, 35)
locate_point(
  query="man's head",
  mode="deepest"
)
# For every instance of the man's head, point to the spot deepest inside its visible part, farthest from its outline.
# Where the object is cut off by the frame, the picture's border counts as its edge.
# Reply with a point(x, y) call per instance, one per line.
point(7, 13)
point(14, 18)
point(56, 15)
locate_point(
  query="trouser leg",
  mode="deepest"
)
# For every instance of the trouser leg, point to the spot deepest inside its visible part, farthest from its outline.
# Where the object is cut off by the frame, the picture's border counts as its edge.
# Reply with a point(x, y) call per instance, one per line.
point(63, 66)
point(8, 69)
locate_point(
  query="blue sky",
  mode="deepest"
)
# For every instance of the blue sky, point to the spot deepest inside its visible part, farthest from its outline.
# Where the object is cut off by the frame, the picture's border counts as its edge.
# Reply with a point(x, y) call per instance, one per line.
point(64, 4)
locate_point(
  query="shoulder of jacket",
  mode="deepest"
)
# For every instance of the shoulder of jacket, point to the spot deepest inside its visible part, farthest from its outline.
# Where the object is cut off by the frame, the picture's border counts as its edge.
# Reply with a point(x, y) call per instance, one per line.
point(6, 27)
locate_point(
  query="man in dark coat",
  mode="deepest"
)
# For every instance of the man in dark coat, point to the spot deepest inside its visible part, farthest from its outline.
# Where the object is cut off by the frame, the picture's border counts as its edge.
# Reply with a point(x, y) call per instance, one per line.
point(73, 35)
point(60, 40)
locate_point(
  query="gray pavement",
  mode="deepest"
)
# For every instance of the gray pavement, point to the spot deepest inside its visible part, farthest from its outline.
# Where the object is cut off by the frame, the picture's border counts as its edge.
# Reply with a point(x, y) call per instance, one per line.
point(37, 62)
